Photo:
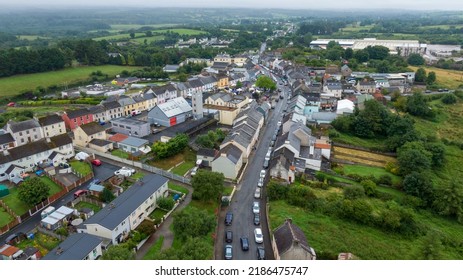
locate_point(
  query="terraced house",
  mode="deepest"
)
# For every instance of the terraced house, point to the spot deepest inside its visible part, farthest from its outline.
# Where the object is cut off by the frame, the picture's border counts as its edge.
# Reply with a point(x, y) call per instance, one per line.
point(25, 132)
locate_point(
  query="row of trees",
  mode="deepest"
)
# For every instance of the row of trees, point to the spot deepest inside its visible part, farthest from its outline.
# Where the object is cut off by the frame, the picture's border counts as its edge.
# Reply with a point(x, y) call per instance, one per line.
point(23, 61)
point(170, 148)
point(420, 76)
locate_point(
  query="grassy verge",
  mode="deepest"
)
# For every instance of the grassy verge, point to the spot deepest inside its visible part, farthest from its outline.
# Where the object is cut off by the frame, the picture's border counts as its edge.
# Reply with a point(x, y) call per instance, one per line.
point(84, 204)
point(153, 250)
point(183, 168)
point(14, 85)
point(373, 144)
point(81, 167)
point(5, 218)
point(120, 153)
point(178, 188)
point(188, 155)
point(368, 171)
point(54, 187)
point(12, 200)
point(227, 191)
point(41, 241)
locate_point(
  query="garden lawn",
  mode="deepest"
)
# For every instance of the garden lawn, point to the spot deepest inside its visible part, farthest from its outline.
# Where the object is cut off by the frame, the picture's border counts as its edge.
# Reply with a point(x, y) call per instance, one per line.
point(54, 187)
point(120, 153)
point(183, 168)
point(227, 191)
point(157, 215)
point(178, 188)
point(188, 155)
point(41, 241)
point(81, 167)
point(369, 170)
point(5, 218)
point(331, 236)
point(84, 204)
point(12, 200)
point(153, 250)
point(138, 175)
point(14, 85)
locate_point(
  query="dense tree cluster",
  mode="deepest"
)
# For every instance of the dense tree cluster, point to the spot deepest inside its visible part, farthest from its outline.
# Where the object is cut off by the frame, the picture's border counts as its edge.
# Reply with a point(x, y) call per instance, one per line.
point(172, 147)
point(207, 185)
point(212, 139)
point(23, 61)
point(33, 191)
point(193, 223)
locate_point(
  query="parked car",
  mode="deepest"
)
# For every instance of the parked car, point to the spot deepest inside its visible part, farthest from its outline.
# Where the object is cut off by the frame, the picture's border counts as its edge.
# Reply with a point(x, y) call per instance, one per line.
point(79, 193)
point(256, 219)
point(255, 207)
point(279, 123)
point(258, 235)
point(228, 252)
point(260, 184)
point(11, 104)
point(257, 193)
point(193, 171)
point(229, 236)
point(96, 162)
point(40, 172)
point(95, 181)
point(260, 253)
point(228, 218)
point(263, 173)
point(244, 243)
point(125, 171)
point(266, 163)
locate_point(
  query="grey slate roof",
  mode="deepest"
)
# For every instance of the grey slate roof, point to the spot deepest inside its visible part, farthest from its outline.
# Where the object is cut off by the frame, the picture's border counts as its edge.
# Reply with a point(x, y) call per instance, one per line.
point(206, 152)
point(128, 121)
point(61, 140)
point(28, 149)
point(96, 109)
point(6, 138)
point(127, 202)
point(111, 105)
point(50, 119)
point(92, 128)
point(163, 89)
point(75, 247)
point(195, 83)
point(134, 141)
point(288, 233)
point(24, 125)
point(285, 156)
point(208, 80)
point(100, 142)
point(126, 101)
point(233, 153)
point(77, 113)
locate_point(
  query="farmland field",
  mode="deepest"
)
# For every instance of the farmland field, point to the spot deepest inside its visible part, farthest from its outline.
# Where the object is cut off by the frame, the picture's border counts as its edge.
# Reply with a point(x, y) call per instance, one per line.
point(445, 78)
point(11, 86)
point(32, 37)
point(125, 27)
point(149, 40)
point(363, 157)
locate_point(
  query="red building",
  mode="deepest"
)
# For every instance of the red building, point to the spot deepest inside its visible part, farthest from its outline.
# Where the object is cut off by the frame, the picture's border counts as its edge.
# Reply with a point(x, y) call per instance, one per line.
point(76, 118)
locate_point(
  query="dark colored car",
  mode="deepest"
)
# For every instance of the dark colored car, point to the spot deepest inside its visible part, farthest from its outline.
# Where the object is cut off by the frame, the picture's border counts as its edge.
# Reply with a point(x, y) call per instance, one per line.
point(256, 219)
point(228, 218)
point(229, 236)
point(260, 253)
point(244, 243)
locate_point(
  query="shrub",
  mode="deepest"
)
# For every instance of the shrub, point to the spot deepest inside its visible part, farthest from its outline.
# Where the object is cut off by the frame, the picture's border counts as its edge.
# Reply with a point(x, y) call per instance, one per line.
point(276, 191)
point(385, 180)
point(369, 187)
point(166, 203)
point(449, 98)
point(300, 196)
point(62, 231)
point(353, 192)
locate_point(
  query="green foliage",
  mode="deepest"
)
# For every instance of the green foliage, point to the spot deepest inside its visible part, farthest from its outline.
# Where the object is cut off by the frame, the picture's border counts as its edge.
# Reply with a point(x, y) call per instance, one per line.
point(449, 98)
point(166, 203)
point(192, 223)
point(146, 228)
point(276, 191)
point(431, 247)
point(62, 231)
point(377, 52)
point(33, 191)
point(300, 196)
point(437, 151)
point(119, 252)
point(431, 79)
point(207, 185)
point(353, 192)
point(192, 249)
point(420, 75)
point(417, 106)
point(385, 180)
point(266, 83)
point(415, 59)
point(418, 184)
point(449, 200)
point(369, 187)
point(172, 147)
point(413, 157)
point(106, 195)
point(212, 139)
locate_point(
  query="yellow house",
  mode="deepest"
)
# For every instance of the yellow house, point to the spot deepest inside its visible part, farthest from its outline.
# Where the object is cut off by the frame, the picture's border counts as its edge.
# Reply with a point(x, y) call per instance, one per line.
point(222, 81)
point(226, 105)
point(92, 135)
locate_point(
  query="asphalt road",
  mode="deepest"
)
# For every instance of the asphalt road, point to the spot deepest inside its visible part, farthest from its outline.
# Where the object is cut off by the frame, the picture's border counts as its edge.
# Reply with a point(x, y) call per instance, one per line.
point(241, 205)
point(103, 172)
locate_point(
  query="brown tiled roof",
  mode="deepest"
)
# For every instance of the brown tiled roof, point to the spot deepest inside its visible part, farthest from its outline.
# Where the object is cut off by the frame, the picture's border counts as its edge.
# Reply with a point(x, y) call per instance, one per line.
point(118, 137)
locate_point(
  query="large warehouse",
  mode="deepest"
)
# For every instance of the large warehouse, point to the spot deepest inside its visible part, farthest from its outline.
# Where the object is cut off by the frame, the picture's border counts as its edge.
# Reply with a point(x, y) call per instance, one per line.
point(405, 47)
point(170, 113)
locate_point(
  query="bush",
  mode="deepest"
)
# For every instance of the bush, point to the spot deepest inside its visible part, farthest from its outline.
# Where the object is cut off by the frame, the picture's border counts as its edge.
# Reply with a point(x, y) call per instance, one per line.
point(392, 168)
point(146, 228)
point(385, 180)
point(276, 191)
point(353, 192)
point(300, 196)
point(369, 187)
point(166, 203)
point(62, 231)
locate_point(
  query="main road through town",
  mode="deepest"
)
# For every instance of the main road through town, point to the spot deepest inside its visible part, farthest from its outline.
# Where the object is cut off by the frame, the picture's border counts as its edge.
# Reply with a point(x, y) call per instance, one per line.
point(241, 205)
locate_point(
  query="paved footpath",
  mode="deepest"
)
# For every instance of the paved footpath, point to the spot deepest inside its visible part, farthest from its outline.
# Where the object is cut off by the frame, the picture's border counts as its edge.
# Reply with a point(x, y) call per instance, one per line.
point(164, 230)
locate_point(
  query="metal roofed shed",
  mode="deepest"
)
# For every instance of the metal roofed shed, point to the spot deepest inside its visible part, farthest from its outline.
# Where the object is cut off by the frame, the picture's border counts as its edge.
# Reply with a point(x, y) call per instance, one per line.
point(170, 113)
point(4, 191)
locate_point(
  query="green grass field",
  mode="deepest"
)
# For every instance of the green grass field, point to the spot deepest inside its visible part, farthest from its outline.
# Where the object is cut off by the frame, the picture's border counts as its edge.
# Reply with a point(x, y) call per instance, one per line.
point(125, 27)
point(188, 155)
point(141, 36)
point(14, 203)
point(369, 170)
point(5, 218)
point(153, 250)
point(81, 167)
point(329, 234)
point(11, 86)
point(84, 204)
point(157, 215)
point(149, 40)
point(120, 153)
point(374, 143)
point(451, 79)
point(32, 37)
point(183, 168)
point(54, 187)
point(178, 188)
point(443, 26)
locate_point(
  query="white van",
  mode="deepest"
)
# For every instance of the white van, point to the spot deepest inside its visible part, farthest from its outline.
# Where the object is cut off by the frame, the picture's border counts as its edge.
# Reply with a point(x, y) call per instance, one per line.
point(47, 211)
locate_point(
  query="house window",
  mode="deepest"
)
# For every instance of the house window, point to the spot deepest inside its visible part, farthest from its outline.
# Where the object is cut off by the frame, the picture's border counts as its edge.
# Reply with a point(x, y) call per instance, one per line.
point(35, 137)
point(22, 140)
point(123, 223)
point(117, 228)
point(75, 120)
point(20, 134)
point(96, 229)
point(33, 129)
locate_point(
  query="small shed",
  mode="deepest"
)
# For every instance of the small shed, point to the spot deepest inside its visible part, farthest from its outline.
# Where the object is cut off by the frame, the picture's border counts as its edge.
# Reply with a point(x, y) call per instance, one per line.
point(95, 189)
point(50, 223)
point(4, 191)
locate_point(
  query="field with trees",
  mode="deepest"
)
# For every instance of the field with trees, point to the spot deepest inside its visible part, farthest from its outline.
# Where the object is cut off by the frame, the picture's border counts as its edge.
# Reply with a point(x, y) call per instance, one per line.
point(445, 78)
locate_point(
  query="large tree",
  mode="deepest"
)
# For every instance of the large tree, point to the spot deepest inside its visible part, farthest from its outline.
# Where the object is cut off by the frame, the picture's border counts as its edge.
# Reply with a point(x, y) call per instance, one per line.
point(415, 59)
point(193, 222)
point(420, 75)
point(119, 252)
point(431, 79)
point(266, 83)
point(413, 157)
point(33, 191)
point(417, 106)
point(419, 185)
point(449, 200)
point(207, 185)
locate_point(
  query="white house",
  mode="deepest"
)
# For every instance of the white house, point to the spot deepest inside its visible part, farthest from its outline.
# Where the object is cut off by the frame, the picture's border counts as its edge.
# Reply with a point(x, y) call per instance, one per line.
point(52, 125)
point(345, 106)
point(25, 132)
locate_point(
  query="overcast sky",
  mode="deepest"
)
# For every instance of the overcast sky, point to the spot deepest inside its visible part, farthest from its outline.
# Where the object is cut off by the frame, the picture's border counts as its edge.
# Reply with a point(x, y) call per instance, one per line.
point(287, 4)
